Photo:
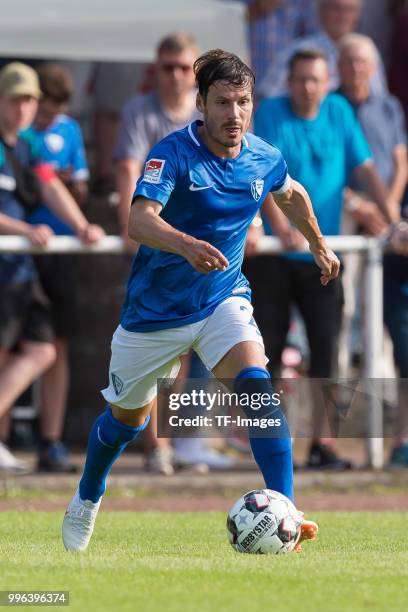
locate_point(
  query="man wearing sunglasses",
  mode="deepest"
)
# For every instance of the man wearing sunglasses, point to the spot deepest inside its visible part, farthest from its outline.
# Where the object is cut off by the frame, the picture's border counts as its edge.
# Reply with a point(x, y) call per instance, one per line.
point(147, 118)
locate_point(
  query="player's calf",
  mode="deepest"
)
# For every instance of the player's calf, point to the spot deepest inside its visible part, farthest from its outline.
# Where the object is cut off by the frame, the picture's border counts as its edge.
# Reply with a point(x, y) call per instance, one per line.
point(271, 447)
point(107, 440)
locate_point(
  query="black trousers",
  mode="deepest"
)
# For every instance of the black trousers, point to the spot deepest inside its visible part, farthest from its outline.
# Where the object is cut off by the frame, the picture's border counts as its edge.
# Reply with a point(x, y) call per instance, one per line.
point(277, 283)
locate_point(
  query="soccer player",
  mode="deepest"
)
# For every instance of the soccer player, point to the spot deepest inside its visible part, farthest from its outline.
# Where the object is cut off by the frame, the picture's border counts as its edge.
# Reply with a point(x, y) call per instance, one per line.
point(202, 186)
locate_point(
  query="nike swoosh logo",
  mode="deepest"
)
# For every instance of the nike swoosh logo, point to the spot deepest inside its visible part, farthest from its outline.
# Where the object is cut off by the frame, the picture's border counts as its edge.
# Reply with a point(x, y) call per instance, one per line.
point(195, 188)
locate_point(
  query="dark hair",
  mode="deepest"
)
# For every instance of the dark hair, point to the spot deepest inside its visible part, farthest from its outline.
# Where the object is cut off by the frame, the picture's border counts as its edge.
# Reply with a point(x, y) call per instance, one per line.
point(55, 82)
point(219, 65)
point(177, 43)
point(305, 55)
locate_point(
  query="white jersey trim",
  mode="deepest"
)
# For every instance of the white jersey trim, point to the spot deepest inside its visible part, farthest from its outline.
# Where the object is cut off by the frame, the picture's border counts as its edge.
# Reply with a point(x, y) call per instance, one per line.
point(286, 185)
point(190, 131)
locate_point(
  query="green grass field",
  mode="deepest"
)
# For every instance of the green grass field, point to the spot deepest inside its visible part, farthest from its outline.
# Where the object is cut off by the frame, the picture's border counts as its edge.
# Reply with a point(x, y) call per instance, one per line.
point(172, 562)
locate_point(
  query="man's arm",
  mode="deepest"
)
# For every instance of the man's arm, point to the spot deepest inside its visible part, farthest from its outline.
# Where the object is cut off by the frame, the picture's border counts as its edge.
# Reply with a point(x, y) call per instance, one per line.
point(127, 173)
point(289, 236)
point(59, 199)
point(365, 213)
point(79, 191)
point(372, 184)
point(148, 228)
point(77, 188)
point(37, 234)
point(296, 205)
point(399, 180)
point(132, 147)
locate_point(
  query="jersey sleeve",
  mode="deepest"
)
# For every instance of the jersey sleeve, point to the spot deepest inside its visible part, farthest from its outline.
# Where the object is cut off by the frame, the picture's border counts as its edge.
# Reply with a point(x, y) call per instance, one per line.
point(78, 156)
point(160, 173)
point(281, 179)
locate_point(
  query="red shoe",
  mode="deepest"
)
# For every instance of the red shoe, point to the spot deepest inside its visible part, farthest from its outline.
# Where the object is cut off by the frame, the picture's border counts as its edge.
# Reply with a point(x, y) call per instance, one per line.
point(308, 531)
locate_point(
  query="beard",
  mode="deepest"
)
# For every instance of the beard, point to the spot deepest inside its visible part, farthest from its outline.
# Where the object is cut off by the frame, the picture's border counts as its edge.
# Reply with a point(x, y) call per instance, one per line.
point(216, 133)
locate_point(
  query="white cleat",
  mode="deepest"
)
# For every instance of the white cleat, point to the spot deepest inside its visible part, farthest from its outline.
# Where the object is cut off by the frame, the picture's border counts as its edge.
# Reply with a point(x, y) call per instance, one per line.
point(78, 523)
point(10, 464)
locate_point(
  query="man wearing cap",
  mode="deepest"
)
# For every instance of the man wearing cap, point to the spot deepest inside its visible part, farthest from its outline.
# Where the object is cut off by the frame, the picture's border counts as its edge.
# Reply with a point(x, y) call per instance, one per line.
point(26, 338)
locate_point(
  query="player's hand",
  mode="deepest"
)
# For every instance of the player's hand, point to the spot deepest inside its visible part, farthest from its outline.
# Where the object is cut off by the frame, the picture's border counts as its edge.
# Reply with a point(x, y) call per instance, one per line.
point(327, 261)
point(39, 235)
point(91, 233)
point(203, 256)
point(253, 235)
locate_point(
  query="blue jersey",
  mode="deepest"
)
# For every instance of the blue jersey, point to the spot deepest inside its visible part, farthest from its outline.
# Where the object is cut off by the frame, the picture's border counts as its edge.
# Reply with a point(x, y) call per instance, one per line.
point(212, 199)
point(320, 152)
point(60, 145)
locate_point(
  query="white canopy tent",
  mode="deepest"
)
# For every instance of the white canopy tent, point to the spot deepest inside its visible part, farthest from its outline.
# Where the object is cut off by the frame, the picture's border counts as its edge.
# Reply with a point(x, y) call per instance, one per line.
point(115, 30)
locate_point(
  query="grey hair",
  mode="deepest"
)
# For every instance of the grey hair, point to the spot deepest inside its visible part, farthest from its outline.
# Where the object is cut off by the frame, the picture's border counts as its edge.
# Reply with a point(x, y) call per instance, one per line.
point(353, 40)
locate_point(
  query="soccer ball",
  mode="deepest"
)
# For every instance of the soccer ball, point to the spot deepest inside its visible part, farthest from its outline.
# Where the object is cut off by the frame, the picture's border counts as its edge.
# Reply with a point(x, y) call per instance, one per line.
point(264, 522)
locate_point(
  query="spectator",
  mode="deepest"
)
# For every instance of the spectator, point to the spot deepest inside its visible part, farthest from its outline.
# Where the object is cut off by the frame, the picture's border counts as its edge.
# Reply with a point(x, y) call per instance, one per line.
point(273, 25)
point(26, 335)
point(382, 121)
point(322, 142)
point(146, 119)
point(337, 18)
point(59, 142)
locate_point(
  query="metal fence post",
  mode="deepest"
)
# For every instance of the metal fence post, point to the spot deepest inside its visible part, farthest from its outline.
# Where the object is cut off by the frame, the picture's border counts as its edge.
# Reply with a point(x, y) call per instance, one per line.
point(373, 339)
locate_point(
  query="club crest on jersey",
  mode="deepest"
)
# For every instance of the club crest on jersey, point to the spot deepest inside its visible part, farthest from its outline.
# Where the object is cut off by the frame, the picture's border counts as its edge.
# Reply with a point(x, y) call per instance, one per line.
point(153, 170)
point(257, 186)
point(54, 142)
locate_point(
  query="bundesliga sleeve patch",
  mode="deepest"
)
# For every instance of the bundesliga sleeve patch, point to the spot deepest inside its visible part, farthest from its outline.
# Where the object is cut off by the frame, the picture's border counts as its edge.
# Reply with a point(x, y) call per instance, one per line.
point(153, 170)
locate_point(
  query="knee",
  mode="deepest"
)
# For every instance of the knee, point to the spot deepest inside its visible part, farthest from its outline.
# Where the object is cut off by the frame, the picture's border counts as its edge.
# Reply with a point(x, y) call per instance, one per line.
point(44, 354)
point(132, 418)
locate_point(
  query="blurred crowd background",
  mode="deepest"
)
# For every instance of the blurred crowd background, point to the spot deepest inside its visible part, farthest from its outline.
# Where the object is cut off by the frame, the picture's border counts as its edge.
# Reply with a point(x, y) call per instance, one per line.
point(331, 93)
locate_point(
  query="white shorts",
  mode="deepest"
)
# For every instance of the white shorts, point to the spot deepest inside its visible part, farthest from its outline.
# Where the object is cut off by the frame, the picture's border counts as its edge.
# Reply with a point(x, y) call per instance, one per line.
point(140, 358)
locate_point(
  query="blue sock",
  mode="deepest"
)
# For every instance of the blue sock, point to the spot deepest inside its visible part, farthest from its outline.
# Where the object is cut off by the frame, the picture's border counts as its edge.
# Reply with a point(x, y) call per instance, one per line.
point(107, 440)
point(272, 449)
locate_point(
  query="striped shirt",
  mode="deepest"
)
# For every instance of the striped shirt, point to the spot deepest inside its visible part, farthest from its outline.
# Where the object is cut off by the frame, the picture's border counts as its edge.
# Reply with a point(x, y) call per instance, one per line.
point(271, 33)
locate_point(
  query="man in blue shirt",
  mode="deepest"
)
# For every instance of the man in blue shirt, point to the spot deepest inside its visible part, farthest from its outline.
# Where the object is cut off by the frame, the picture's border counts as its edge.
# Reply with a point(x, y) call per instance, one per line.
point(323, 144)
point(59, 142)
point(201, 188)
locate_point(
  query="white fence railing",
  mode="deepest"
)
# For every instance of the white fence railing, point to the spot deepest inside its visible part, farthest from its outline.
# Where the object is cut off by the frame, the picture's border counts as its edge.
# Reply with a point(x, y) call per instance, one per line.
point(370, 247)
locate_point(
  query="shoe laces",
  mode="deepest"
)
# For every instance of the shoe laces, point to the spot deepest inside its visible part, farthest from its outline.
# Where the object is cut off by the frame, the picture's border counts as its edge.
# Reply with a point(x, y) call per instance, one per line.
point(82, 511)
